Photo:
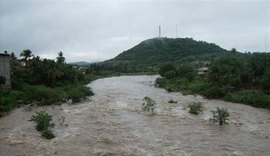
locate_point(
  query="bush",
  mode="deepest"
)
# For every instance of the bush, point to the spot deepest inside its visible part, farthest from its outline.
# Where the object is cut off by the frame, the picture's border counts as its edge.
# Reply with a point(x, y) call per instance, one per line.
point(220, 116)
point(8, 100)
point(213, 91)
point(47, 133)
point(253, 98)
point(148, 104)
point(161, 82)
point(42, 120)
point(43, 94)
point(195, 108)
point(165, 69)
point(77, 93)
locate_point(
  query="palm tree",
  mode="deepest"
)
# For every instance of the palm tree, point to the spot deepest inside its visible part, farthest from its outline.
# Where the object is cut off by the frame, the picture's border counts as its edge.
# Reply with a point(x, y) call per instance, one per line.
point(53, 74)
point(60, 58)
point(26, 54)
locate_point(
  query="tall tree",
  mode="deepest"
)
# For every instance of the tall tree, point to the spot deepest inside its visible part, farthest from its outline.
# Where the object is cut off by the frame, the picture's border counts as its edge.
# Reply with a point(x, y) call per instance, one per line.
point(26, 54)
point(60, 58)
point(12, 56)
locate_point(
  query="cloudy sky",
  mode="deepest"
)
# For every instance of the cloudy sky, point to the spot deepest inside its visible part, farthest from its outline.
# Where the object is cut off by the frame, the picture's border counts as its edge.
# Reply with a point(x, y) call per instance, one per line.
point(96, 30)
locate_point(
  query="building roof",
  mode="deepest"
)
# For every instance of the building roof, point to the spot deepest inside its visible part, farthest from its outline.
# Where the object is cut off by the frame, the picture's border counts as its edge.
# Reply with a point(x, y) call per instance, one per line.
point(3, 54)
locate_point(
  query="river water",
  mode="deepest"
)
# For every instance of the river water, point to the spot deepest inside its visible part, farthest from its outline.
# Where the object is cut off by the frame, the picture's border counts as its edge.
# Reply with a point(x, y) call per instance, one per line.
point(112, 123)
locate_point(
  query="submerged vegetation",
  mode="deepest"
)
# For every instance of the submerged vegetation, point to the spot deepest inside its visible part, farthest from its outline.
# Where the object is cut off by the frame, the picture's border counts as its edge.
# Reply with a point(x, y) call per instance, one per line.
point(220, 116)
point(195, 108)
point(43, 124)
point(148, 104)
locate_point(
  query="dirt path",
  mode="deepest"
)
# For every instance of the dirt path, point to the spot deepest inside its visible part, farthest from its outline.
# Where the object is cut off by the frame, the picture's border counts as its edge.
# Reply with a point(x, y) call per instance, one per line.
point(112, 123)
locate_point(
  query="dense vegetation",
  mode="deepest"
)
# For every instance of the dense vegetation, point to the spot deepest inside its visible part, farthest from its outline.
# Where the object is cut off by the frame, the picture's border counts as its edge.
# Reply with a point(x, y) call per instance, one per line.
point(151, 54)
point(43, 82)
point(237, 78)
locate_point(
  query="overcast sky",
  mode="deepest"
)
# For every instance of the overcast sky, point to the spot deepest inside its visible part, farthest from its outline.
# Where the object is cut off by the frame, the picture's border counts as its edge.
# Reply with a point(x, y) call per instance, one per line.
point(96, 30)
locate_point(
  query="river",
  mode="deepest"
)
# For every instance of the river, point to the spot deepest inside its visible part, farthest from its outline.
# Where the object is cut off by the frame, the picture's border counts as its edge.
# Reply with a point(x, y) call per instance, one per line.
point(113, 123)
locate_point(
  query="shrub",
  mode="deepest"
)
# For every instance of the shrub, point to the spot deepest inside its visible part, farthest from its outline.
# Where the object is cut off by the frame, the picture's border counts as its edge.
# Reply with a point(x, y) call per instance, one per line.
point(148, 104)
point(165, 69)
point(220, 116)
point(43, 94)
point(212, 91)
point(42, 120)
point(47, 133)
point(253, 98)
point(8, 99)
point(79, 92)
point(160, 82)
point(195, 108)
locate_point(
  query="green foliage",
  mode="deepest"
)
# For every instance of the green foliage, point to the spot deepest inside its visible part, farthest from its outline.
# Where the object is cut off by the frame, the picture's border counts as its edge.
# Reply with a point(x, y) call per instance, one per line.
point(148, 104)
point(186, 71)
point(265, 80)
point(47, 134)
point(253, 98)
point(220, 116)
point(8, 99)
point(167, 71)
point(195, 108)
point(227, 70)
point(151, 54)
point(230, 77)
point(167, 50)
point(44, 95)
point(77, 93)
point(259, 62)
point(2, 80)
point(42, 120)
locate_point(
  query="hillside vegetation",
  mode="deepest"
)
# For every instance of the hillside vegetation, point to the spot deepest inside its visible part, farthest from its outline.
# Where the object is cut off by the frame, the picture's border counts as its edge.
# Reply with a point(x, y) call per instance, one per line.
point(150, 55)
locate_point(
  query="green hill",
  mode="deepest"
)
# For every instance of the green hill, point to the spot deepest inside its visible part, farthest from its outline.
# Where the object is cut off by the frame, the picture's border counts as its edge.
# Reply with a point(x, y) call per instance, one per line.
point(151, 54)
point(168, 50)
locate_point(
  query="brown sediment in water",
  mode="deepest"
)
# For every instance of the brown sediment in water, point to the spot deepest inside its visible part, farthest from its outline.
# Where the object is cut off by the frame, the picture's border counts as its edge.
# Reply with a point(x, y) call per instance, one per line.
point(112, 123)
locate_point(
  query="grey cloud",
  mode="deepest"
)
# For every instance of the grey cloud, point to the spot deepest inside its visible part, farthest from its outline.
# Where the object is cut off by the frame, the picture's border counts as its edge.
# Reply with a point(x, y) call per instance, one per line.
point(100, 29)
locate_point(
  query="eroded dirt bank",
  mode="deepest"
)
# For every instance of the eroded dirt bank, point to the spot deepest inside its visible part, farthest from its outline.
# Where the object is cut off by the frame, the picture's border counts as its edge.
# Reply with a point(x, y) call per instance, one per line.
point(112, 123)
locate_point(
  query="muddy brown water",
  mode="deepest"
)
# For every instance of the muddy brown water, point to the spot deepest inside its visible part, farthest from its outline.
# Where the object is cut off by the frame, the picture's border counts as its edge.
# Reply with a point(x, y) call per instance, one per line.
point(112, 123)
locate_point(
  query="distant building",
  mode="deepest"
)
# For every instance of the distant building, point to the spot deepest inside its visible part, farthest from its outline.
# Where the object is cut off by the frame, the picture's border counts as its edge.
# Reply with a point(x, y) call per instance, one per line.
point(5, 68)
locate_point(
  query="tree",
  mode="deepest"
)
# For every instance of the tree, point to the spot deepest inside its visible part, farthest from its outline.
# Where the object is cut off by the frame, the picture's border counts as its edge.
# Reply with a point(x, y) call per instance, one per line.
point(227, 71)
point(166, 69)
point(259, 62)
point(26, 54)
point(60, 58)
point(233, 50)
point(12, 56)
point(2, 80)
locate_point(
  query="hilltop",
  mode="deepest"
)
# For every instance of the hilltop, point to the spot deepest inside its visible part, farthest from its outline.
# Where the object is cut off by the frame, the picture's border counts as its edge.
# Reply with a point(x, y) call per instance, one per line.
point(162, 50)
